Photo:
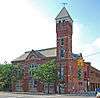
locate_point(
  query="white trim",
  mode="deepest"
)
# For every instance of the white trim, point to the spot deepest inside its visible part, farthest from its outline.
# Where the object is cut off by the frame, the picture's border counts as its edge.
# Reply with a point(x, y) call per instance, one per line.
point(64, 18)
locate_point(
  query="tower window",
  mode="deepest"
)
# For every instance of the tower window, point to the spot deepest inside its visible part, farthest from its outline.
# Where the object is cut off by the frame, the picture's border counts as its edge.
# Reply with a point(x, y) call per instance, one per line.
point(35, 83)
point(61, 72)
point(62, 51)
point(62, 41)
point(59, 21)
point(63, 21)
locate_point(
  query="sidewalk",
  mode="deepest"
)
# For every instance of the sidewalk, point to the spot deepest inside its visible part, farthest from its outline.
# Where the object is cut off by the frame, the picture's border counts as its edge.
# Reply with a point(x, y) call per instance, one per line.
point(92, 94)
point(28, 93)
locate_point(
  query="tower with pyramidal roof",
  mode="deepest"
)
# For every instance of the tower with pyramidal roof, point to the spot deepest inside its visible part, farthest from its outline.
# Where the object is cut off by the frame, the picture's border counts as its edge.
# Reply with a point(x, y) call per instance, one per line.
point(64, 49)
point(75, 75)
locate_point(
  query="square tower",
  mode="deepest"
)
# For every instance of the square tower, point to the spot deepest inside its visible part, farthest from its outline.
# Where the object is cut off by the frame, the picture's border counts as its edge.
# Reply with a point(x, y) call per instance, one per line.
point(64, 49)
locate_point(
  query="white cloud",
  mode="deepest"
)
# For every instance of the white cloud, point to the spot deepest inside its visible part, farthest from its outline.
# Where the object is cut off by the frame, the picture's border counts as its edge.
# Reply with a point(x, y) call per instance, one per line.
point(92, 48)
point(90, 51)
point(23, 27)
point(96, 43)
point(76, 38)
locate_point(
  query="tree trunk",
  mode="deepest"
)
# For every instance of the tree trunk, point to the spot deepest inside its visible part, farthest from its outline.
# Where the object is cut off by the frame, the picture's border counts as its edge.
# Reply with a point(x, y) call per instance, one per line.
point(48, 88)
point(59, 89)
point(55, 87)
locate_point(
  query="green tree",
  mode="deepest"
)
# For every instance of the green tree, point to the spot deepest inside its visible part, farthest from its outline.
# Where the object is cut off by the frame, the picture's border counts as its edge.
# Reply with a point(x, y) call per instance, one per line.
point(9, 74)
point(1, 78)
point(45, 73)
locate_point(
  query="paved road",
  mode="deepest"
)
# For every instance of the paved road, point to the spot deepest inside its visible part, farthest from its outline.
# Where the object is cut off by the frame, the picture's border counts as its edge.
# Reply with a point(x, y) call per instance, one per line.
point(10, 95)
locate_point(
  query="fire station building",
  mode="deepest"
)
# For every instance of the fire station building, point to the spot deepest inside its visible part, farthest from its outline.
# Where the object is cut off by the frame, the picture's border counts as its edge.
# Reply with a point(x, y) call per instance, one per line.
point(75, 75)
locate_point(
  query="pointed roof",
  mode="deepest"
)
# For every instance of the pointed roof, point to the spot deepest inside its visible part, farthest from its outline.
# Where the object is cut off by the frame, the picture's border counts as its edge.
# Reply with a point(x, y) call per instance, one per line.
point(32, 53)
point(22, 57)
point(43, 53)
point(63, 14)
point(49, 52)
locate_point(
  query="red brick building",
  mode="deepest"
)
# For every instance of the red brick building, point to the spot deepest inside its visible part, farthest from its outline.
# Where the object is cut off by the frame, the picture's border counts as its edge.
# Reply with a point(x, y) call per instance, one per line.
point(74, 74)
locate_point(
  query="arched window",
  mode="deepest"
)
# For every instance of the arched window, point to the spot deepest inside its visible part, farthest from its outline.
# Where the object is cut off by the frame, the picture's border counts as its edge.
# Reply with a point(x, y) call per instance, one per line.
point(62, 41)
point(59, 21)
point(62, 52)
point(63, 21)
point(62, 72)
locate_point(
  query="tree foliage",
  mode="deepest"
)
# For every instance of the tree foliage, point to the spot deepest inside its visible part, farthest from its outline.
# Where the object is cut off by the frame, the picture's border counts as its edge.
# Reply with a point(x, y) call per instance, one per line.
point(45, 72)
point(9, 74)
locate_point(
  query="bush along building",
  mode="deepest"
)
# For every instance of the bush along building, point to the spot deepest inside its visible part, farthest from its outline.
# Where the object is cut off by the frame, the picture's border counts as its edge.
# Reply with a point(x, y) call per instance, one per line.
point(75, 75)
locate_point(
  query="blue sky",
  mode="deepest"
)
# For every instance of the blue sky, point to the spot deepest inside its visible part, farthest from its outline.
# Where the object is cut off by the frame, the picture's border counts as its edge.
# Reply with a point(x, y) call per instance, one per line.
point(30, 24)
point(85, 14)
point(83, 11)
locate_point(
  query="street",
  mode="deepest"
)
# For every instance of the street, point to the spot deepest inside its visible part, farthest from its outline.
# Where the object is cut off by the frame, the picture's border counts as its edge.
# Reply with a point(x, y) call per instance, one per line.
point(10, 95)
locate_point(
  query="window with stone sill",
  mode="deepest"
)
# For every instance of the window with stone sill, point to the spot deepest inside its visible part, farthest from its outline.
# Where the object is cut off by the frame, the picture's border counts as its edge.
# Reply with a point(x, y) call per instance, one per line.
point(62, 88)
point(62, 41)
point(31, 81)
point(61, 73)
point(35, 83)
point(62, 53)
point(33, 66)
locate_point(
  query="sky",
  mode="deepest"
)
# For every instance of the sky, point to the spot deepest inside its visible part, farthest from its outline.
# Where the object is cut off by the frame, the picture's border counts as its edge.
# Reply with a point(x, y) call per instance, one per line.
point(30, 24)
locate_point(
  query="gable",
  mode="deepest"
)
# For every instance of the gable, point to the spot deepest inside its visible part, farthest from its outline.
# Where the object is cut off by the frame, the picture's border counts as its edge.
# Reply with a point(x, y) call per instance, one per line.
point(22, 57)
point(49, 52)
point(34, 55)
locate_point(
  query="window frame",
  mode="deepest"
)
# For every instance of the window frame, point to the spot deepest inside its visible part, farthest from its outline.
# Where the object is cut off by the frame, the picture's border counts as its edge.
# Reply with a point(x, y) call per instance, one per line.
point(62, 41)
point(62, 53)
